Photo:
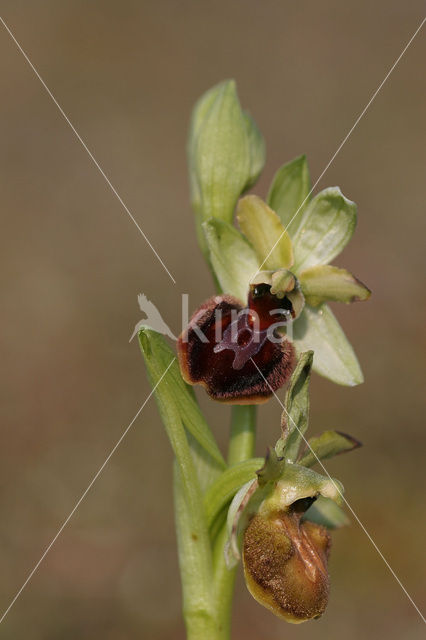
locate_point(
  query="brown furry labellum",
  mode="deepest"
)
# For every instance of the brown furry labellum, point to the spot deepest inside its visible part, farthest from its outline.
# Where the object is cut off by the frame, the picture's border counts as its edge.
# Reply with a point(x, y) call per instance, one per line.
point(227, 348)
point(285, 564)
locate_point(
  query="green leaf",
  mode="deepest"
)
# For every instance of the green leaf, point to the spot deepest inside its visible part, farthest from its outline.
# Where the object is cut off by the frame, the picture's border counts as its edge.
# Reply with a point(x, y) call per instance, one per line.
point(325, 511)
point(325, 228)
point(257, 150)
point(219, 154)
point(265, 232)
point(289, 193)
point(174, 394)
point(327, 445)
point(196, 560)
point(232, 258)
point(326, 282)
point(221, 492)
point(334, 357)
point(295, 417)
point(178, 409)
point(194, 550)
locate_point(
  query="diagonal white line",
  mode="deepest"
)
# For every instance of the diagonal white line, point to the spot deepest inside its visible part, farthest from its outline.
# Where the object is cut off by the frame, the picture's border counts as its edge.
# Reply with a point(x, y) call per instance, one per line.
point(345, 139)
point(78, 503)
point(174, 281)
point(90, 154)
point(344, 500)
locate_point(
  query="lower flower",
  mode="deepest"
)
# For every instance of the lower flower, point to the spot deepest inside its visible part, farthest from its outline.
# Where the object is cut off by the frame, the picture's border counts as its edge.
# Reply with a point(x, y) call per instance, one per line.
point(285, 563)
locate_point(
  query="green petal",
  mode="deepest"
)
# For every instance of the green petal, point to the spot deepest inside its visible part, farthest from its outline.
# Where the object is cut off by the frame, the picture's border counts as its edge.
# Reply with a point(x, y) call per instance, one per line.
point(289, 193)
point(257, 151)
point(325, 228)
point(327, 445)
point(294, 419)
point(326, 512)
point(265, 232)
point(334, 357)
point(219, 154)
point(326, 282)
point(245, 503)
point(232, 258)
point(221, 492)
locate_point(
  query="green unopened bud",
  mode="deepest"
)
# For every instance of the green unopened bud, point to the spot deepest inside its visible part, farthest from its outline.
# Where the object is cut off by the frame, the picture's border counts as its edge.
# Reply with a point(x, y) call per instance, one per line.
point(225, 153)
point(285, 562)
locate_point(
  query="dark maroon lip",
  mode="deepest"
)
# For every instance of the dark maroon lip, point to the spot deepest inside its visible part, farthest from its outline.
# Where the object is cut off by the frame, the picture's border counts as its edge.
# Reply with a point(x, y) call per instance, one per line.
point(243, 365)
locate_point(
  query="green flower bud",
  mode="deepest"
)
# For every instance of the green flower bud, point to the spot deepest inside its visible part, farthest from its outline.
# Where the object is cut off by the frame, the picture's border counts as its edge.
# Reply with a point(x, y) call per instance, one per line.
point(226, 154)
point(285, 562)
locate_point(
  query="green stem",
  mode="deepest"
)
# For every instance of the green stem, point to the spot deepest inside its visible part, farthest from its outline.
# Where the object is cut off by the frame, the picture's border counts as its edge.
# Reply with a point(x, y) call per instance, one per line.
point(241, 447)
point(243, 433)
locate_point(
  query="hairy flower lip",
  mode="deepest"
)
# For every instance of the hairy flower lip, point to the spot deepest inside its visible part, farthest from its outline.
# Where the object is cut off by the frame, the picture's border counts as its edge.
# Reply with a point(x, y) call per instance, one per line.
point(285, 565)
point(213, 369)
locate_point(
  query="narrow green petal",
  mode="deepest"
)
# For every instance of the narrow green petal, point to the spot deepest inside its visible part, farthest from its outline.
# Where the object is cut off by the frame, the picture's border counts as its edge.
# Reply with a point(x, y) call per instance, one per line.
point(263, 228)
point(289, 193)
point(295, 417)
point(327, 445)
point(326, 282)
point(334, 357)
point(325, 228)
point(234, 261)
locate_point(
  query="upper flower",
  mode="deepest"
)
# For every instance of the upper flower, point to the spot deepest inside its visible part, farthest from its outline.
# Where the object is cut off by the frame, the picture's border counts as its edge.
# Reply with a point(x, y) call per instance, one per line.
point(292, 233)
point(296, 241)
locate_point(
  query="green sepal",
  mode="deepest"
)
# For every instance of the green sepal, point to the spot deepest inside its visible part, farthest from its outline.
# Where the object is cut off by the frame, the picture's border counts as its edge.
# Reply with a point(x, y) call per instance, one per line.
point(174, 394)
point(318, 329)
point(327, 512)
point(289, 193)
point(221, 492)
point(296, 483)
point(295, 417)
point(327, 445)
point(264, 230)
point(326, 227)
point(326, 282)
point(257, 150)
point(232, 258)
point(220, 154)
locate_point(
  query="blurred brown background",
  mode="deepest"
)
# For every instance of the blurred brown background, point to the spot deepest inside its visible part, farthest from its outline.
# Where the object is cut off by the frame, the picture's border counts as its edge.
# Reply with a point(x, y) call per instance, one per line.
point(127, 74)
